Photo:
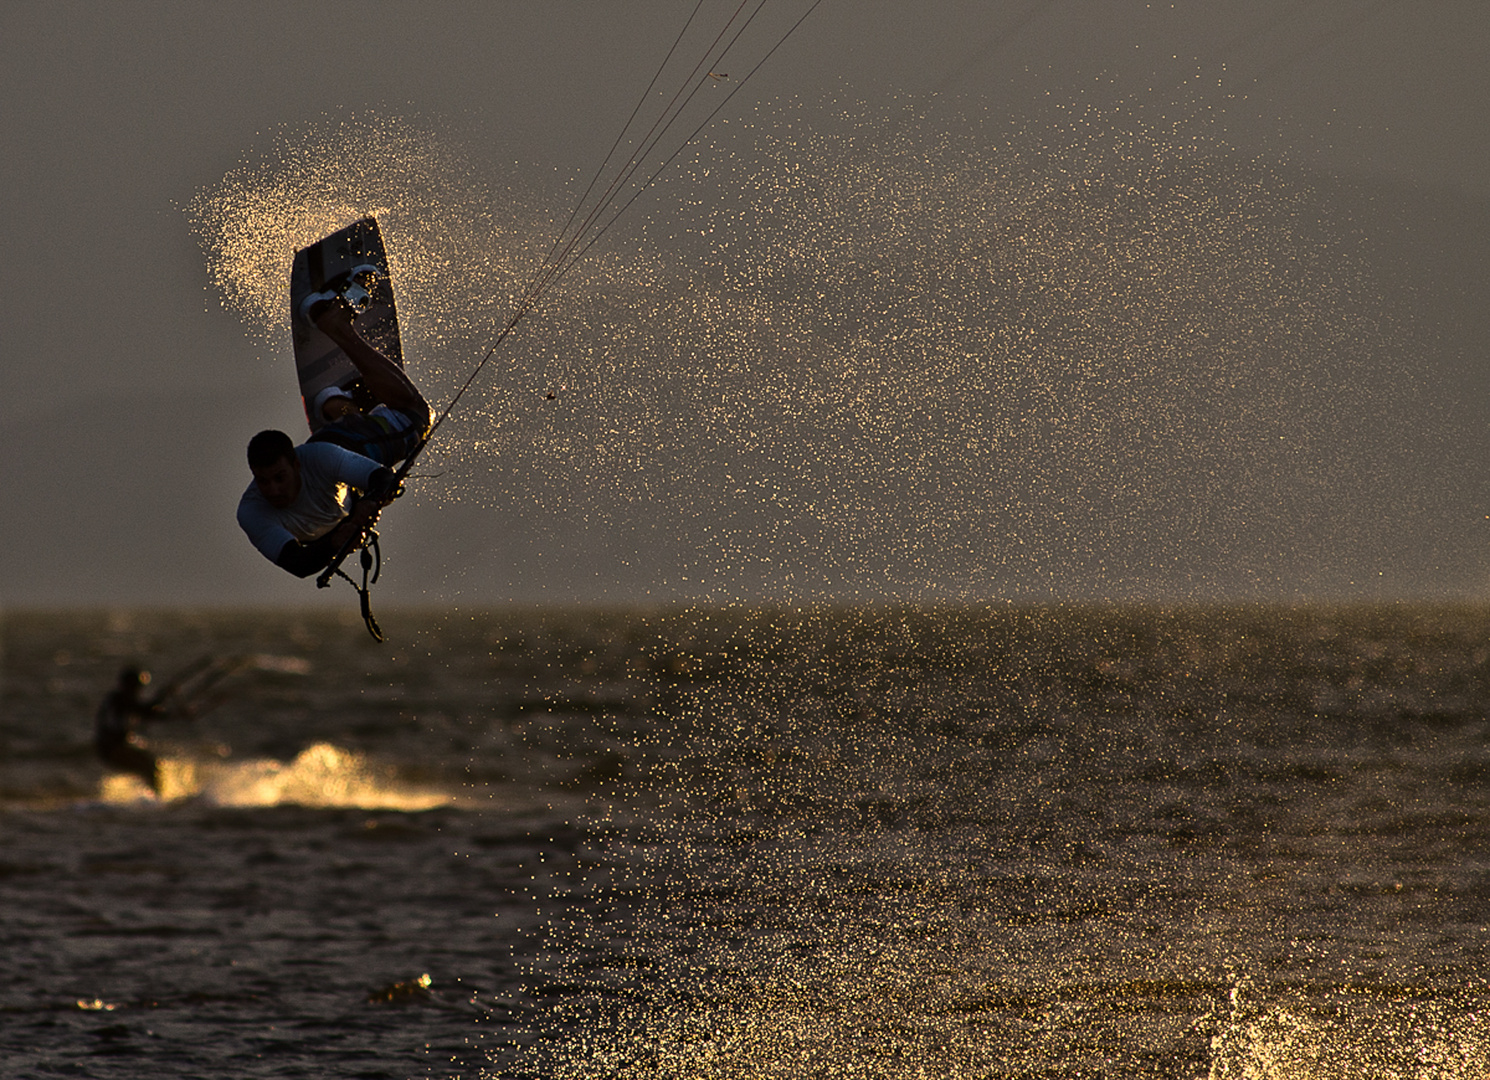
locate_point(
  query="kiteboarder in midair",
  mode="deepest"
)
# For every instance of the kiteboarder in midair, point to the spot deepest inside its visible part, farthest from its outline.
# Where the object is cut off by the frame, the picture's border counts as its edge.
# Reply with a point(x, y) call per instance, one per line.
point(297, 511)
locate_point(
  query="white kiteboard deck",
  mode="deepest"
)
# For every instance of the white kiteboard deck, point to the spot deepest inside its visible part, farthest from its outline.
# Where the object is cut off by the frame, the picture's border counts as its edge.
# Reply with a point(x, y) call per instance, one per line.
point(327, 266)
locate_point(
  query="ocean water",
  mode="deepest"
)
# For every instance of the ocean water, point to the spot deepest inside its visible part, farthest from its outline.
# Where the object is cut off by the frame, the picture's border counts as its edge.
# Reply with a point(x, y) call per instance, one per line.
point(755, 842)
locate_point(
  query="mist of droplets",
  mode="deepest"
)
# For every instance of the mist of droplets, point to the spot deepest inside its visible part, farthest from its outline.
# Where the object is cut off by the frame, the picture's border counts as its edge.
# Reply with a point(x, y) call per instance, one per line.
point(459, 236)
point(1084, 354)
point(862, 356)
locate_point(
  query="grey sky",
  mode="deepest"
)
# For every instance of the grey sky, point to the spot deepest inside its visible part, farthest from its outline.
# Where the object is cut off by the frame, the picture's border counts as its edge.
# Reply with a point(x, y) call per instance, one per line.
point(128, 391)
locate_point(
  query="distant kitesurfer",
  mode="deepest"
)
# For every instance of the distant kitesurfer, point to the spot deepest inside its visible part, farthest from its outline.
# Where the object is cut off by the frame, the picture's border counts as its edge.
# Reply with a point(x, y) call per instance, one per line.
point(297, 511)
point(116, 726)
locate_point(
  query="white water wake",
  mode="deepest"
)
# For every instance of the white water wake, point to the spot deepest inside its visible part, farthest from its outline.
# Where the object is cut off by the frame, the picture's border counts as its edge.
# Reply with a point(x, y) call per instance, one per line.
point(321, 775)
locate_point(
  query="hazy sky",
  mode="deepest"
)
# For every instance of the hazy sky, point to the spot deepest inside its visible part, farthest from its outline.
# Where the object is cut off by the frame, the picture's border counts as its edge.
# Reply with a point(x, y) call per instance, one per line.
point(127, 391)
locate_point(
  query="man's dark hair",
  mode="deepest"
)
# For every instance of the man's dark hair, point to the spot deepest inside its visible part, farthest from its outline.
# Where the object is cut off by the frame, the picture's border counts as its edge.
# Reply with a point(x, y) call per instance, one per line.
point(267, 447)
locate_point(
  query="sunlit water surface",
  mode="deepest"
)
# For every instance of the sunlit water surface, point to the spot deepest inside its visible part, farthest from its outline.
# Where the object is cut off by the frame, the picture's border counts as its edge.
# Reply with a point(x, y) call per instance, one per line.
point(909, 842)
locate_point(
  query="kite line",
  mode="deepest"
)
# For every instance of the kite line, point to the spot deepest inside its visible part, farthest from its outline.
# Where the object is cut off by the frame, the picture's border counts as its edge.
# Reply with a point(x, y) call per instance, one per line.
point(574, 241)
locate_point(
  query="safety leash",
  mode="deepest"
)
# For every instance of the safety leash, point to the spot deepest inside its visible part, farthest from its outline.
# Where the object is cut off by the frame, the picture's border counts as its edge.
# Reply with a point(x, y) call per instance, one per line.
point(372, 553)
point(372, 566)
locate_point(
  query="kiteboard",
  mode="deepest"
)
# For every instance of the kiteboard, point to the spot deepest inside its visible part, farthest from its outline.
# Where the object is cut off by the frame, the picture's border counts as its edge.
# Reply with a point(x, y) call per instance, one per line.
point(352, 264)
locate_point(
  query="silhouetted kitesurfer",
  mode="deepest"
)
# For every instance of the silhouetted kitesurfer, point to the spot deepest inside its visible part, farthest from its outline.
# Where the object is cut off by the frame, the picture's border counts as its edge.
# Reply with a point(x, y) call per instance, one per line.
point(297, 511)
point(116, 729)
point(116, 726)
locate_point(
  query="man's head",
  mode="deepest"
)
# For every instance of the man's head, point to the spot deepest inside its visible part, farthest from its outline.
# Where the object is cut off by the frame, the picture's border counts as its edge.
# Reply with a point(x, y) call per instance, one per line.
point(133, 678)
point(332, 403)
point(276, 469)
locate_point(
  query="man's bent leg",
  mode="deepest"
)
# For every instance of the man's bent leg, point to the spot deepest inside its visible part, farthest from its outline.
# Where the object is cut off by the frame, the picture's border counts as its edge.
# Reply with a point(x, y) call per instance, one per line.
point(384, 379)
point(132, 758)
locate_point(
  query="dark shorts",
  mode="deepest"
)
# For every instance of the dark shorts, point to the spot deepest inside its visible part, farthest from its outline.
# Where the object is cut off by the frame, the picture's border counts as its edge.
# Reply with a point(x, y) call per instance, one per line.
point(124, 752)
point(385, 435)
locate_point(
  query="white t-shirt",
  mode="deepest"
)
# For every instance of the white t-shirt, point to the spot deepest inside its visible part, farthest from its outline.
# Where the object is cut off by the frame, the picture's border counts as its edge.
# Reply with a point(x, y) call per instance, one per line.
point(326, 471)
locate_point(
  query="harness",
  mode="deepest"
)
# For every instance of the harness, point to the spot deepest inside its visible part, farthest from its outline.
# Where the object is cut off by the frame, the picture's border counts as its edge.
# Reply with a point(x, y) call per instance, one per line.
point(370, 435)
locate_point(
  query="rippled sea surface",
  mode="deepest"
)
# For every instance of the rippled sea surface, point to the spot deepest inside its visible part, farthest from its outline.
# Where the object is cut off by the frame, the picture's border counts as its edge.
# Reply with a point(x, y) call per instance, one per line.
point(1131, 842)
